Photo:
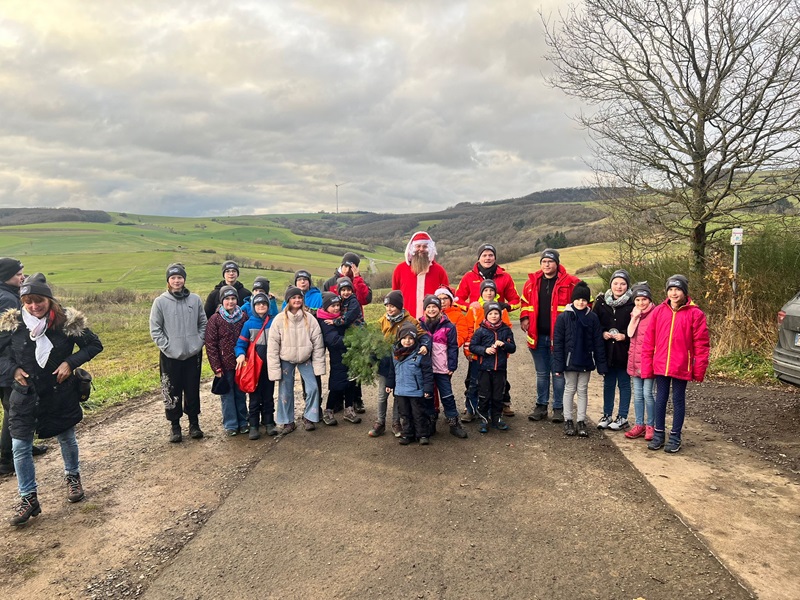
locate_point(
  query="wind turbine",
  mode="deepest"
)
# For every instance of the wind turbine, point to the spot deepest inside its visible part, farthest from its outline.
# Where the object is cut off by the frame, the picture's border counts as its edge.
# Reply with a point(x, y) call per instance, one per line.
point(337, 194)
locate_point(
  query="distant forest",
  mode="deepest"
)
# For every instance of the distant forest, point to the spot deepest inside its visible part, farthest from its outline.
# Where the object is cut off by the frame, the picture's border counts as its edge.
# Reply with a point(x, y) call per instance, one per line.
point(29, 216)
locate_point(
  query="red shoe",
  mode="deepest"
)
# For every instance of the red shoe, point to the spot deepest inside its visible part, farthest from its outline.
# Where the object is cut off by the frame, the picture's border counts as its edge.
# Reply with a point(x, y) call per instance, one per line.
point(649, 430)
point(635, 432)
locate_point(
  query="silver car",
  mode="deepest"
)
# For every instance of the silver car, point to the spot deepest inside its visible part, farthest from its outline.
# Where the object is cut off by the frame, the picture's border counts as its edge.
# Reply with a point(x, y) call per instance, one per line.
point(786, 357)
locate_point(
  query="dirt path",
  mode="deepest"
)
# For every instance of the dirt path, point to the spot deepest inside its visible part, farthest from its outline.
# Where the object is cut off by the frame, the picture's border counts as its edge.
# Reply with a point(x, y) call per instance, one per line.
point(335, 514)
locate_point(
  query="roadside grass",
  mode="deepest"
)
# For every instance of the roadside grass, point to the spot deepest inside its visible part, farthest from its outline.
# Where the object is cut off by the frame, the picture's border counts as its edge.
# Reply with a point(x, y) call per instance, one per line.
point(749, 366)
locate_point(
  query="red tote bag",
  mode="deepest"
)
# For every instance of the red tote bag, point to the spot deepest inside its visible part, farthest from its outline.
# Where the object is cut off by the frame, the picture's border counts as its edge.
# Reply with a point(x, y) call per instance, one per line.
point(248, 374)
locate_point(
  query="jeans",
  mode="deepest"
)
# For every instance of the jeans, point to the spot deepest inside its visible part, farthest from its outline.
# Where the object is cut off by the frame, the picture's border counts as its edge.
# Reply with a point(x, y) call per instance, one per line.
point(617, 375)
point(643, 400)
point(234, 405)
point(443, 383)
point(576, 381)
point(23, 459)
point(543, 363)
point(286, 392)
point(678, 402)
point(383, 402)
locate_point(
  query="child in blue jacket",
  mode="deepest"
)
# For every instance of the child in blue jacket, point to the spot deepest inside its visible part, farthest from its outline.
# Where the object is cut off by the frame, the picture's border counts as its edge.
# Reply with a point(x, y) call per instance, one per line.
point(577, 347)
point(492, 342)
point(262, 401)
point(411, 379)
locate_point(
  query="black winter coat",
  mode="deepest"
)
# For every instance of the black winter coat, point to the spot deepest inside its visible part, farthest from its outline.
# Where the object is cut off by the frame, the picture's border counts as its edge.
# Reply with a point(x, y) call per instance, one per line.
point(485, 337)
point(333, 335)
point(212, 301)
point(45, 406)
point(564, 343)
point(615, 318)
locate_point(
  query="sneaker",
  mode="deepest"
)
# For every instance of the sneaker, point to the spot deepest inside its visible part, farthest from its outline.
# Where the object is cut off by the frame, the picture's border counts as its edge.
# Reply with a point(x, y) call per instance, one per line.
point(74, 487)
point(423, 441)
point(328, 418)
point(483, 427)
point(397, 429)
point(308, 425)
point(7, 467)
point(378, 429)
point(244, 429)
point(648, 432)
point(558, 415)
point(604, 422)
point(636, 431)
point(175, 435)
point(673, 444)
point(404, 441)
point(288, 428)
point(27, 508)
point(468, 417)
point(38, 450)
point(508, 411)
point(231, 432)
point(569, 427)
point(500, 425)
point(350, 415)
point(582, 431)
point(539, 413)
point(271, 429)
point(657, 442)
point(359, 407)
point(619, 423)
point(254, 433)
point(195, 432)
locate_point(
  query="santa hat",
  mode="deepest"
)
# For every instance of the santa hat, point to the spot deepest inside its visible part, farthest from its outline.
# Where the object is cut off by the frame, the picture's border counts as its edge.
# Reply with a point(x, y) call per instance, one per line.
point(421, 237)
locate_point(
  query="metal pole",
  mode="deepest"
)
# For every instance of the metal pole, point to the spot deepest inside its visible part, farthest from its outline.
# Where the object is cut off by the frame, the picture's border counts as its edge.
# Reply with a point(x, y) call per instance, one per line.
point(735, 274)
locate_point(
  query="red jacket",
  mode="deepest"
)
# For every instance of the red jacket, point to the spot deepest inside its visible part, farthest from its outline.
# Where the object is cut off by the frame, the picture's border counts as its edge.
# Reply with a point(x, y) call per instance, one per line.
point(459, 319)
point(469, 290)
point(416, 287)
point(562, 296)
point(676, 343)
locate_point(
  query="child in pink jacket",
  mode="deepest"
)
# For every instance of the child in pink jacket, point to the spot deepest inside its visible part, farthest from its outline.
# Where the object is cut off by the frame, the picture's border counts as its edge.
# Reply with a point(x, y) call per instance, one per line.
point(644, 400)
point(675, 351)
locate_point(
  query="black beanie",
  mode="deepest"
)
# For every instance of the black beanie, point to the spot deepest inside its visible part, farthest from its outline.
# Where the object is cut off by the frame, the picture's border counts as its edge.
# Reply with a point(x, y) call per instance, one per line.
point(431, 299)
point(641, 290)
point(36, 285)
point(8, 268)
point(351, 257)
point(176, 269)
point(490, 306)
point(302, 273)
point(678, 281)
point(292, 291)
point(552, 254)
point(228, 290)
point(329, 298)
point(488, 283)
point(344, 282)
point(489, 247)
point(407, 329)
point(581, 292)
point(259, 297)
point(621, 274)
point(229, 264)
point(395, 298)
point(261, 284)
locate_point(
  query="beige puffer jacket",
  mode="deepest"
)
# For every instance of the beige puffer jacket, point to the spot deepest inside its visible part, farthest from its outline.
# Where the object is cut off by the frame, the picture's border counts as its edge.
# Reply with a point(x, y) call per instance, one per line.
point(294, 338)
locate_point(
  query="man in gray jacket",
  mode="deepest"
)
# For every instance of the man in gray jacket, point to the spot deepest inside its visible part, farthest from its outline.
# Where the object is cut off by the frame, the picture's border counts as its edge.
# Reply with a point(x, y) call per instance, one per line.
point(178, 327)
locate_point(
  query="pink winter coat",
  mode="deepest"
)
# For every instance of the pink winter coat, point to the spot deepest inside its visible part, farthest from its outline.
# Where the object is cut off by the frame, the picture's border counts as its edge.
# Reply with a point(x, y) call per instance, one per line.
point(638, 325)
point(676, 343)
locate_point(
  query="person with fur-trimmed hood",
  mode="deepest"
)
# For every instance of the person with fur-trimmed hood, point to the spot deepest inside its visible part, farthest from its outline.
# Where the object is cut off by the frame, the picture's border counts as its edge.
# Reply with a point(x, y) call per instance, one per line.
point(230, 276)
point(487, 269)
point(37, 350)
point(419, 275)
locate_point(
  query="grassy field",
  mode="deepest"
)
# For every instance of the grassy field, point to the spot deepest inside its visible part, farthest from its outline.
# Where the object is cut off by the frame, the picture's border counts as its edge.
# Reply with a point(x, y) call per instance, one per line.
point(573, 259)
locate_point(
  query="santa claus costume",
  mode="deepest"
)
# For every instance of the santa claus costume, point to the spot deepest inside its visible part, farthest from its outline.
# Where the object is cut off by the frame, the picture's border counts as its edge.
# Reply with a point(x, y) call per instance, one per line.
point(415, 287)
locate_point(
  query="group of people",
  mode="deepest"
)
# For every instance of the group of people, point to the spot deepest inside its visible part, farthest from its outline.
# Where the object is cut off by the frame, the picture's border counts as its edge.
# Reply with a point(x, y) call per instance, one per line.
point(633, 343)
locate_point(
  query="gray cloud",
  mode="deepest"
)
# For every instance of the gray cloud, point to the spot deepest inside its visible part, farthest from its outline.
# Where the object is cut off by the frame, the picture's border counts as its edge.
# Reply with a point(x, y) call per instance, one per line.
point(208, 108)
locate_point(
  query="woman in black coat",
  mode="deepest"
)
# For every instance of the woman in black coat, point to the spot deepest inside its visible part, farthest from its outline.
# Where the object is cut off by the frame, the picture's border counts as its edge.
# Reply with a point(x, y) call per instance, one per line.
point(37, 346)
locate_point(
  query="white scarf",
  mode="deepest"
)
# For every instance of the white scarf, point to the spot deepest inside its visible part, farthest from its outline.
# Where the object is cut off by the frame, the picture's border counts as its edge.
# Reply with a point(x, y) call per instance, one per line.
point(37, 328)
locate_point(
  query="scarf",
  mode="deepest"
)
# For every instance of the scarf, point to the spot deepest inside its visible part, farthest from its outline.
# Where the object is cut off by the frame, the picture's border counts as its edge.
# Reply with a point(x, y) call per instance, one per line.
point(324, 314)
point(237, 315)
point(636, 316)
point(492, 326)
point(37, 329)
point(487, 273)
point(401, 352)
point(397, 318)
point(621, 301)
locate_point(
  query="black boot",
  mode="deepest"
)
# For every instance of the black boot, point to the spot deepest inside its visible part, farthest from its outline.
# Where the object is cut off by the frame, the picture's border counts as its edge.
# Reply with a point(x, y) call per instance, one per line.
point(569, 428)
point(194, 429)
point(27, 508)
point(74, 487)
point(175, 435)
point(455, 428)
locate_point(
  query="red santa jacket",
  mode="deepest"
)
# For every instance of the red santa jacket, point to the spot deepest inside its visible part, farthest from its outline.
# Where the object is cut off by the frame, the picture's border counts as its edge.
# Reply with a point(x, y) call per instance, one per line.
point(676, 343)
point(562, 296)
point(415, 287)
point(469, 290)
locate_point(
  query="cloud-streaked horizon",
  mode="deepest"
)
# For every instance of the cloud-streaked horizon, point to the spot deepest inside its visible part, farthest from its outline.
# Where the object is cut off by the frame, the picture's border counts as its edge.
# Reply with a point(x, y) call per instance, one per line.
point(205, 108)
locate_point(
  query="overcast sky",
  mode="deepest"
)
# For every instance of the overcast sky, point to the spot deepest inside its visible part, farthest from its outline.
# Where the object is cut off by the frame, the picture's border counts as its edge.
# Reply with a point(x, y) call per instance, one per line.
point(231, 107)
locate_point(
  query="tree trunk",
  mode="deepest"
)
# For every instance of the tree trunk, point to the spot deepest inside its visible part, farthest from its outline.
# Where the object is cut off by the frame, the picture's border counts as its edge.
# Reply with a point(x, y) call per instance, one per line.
point(698, 248)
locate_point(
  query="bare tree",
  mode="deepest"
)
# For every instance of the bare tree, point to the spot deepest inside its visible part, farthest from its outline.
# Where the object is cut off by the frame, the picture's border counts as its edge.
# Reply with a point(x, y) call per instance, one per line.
point(695, 106)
